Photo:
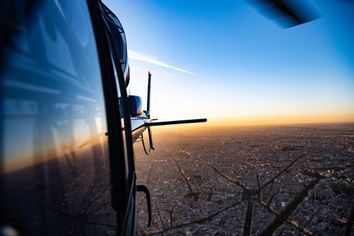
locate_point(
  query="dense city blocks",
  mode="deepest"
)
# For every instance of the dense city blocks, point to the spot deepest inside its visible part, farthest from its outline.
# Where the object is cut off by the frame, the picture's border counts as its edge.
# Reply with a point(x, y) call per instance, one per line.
point(285, 180)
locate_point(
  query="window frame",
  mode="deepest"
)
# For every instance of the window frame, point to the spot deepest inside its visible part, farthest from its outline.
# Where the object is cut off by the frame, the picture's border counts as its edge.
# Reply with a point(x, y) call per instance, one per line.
point(123, 194)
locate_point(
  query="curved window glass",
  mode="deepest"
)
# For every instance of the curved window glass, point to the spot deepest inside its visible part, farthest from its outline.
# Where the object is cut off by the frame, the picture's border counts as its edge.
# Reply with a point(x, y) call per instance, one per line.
point(55, 161)
point(120, 41)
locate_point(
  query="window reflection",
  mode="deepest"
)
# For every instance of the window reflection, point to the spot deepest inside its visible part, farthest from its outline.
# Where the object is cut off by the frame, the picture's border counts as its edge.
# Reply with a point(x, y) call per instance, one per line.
point(55, 150)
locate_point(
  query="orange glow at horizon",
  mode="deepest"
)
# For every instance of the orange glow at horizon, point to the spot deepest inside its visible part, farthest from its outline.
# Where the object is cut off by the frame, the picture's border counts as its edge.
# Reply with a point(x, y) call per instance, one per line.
point(284, 119)
point(295, 119)
point(28, 158)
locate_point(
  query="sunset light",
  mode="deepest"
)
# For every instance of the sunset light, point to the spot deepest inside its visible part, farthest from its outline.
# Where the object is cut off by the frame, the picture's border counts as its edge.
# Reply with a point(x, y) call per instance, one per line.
point(228, 62)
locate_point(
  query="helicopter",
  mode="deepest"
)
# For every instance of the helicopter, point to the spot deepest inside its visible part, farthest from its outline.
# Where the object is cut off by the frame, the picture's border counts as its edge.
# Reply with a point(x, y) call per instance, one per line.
point(67, 122)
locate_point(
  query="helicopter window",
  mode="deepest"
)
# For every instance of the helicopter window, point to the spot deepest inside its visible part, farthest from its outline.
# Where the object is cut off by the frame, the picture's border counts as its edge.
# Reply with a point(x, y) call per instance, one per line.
point(117, 47)
point(125, 121)
point(55, 160)
point(120, 41)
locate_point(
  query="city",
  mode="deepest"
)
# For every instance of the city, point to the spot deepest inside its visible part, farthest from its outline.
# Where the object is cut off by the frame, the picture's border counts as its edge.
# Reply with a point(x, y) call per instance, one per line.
point(283, 180)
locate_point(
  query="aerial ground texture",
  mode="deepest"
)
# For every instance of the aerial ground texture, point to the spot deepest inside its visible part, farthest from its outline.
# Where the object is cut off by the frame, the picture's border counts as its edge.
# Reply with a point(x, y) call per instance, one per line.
point(285, 180)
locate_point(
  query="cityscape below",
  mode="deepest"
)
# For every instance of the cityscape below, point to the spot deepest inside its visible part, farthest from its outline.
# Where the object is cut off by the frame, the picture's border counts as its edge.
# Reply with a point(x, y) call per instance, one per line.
point(281, 180)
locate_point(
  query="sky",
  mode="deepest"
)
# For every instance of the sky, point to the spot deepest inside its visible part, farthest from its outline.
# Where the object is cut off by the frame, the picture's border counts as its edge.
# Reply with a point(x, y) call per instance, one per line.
point(226, 61)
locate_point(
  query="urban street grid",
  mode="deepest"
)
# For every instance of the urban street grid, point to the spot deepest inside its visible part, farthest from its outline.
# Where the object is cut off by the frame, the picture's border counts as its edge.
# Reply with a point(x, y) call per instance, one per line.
point(284, 180)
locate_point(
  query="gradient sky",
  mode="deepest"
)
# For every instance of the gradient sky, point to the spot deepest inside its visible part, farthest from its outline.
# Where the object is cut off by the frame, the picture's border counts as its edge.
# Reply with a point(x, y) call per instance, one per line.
point(225, 61)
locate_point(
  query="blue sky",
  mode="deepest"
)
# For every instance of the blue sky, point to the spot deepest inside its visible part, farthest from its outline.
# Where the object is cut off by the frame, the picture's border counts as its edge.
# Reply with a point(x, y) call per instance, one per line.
point(226, 61)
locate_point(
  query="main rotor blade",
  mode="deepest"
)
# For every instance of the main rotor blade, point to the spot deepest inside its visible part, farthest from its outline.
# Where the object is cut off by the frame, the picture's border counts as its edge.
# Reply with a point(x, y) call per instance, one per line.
point(287, 13)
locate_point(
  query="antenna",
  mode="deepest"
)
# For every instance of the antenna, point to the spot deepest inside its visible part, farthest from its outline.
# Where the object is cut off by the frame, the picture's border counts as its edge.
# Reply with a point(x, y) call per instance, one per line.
point(148, 95)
